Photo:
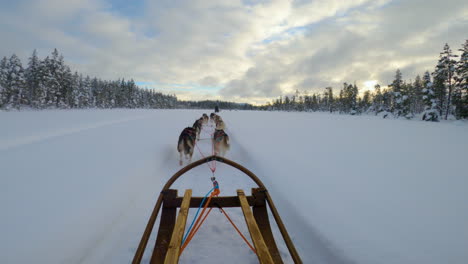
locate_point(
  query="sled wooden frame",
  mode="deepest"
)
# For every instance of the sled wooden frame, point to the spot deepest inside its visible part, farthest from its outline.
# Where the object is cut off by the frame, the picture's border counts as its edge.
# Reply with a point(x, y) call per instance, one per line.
point(171, 228)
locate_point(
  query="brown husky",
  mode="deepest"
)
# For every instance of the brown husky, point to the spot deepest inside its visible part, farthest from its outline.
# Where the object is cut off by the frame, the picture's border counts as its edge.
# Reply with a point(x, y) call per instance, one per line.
point(220, 124)
point(213, 117)
point(186, 144)
point(220, 142)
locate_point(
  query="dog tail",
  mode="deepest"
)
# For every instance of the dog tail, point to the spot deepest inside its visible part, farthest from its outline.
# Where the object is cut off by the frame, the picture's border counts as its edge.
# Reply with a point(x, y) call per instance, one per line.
point(227, 142)
point(179, 144)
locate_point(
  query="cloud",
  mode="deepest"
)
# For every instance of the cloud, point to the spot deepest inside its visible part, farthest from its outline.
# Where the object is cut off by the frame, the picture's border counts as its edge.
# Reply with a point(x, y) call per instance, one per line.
point(254, 50)
point(358, 46)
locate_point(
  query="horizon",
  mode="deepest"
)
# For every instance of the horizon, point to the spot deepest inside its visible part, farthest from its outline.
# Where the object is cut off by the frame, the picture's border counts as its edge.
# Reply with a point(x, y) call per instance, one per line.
point(244, 51)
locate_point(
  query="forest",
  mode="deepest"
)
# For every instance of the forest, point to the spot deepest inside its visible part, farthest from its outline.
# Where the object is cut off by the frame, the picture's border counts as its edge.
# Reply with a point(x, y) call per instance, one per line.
point(50, 83)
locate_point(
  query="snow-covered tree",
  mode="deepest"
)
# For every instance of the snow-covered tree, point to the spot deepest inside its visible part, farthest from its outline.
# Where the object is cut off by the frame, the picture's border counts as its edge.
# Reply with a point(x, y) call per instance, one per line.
point(461, 84)
point(431, 113)
point(443, 80)
point(32, 75)
point(417, 105)
point(81, 91)
point(377, 100)
point(15, 83)
point(3, 81)
point(400, 96)
point(329, 100)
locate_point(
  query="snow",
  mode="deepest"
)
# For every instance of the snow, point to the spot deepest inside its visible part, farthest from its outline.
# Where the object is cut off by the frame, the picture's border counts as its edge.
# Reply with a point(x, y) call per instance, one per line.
point(79, 186)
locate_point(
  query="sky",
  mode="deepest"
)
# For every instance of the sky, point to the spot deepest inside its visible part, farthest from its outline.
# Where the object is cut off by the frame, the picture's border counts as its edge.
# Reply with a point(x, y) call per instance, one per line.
point(237, 50)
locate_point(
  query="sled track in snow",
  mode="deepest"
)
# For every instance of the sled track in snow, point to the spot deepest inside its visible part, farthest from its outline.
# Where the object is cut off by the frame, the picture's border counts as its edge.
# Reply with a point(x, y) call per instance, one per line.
point(19, 142)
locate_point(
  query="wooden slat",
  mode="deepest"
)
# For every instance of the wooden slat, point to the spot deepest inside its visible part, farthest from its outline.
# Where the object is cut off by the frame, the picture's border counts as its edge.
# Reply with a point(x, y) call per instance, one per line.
point(223, 201)
point(172, 256)
point(166, 227)
point(260, 246)
point(260, 214)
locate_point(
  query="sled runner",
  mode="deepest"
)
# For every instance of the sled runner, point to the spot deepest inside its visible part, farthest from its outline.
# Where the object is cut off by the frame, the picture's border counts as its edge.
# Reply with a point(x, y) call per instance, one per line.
point(170, 236)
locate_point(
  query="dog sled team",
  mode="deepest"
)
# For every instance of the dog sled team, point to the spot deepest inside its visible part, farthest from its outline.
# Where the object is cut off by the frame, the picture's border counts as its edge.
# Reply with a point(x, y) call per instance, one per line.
point(190, 135)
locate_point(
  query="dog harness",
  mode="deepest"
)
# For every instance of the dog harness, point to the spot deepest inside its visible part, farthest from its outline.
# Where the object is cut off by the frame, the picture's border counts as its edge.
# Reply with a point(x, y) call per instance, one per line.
point(219, 135)
point(189, 132)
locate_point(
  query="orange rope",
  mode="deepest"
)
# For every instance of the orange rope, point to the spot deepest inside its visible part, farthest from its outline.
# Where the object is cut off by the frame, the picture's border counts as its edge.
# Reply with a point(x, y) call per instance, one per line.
point(189, 238)
point(246, 241)
point(197, 223)
point(203, 220)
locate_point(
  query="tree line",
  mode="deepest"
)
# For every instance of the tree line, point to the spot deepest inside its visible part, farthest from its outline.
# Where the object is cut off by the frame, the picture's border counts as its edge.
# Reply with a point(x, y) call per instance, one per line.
point(434, 96)
point(50, 83)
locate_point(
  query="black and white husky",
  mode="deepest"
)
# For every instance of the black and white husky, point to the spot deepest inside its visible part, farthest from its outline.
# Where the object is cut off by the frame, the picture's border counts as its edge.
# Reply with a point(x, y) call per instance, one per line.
point(205, 119)
point(186, 144)
point(198, 127)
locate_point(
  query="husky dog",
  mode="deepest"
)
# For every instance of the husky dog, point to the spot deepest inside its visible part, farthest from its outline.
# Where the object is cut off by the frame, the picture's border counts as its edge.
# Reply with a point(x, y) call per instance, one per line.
point(220, 142)
point(186, 143)
point(198, 126)
point(205, 119)
point(220, 124)
point(213, 117)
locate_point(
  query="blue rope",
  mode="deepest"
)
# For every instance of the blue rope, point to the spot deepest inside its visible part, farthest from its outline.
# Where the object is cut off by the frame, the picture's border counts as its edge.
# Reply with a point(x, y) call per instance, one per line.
point(195, 217)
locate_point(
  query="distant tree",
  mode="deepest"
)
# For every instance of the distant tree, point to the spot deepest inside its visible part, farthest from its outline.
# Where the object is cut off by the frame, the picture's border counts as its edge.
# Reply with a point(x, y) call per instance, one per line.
point(32, 78)
point(377, 100)
point(329, 100)
point(431, 111)
point(461, 84)
point(400, 96)
point(366, 102)
point(387, 98)
point(3, 81)
point(417, 105)
point(443, 80)
point(349, 98)
point(15, 83)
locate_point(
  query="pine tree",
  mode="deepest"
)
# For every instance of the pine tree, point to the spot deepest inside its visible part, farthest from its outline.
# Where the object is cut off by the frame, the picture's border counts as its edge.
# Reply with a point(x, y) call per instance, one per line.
point(88, 95)
point(431, 111)
point(461, 84)
point(66, 84)
point(15, 83)
point(3, 81)
point(77, 83)
point(377, 100)
point(399, 95)
point(349, 97)
point(366, 102)
point(32, 75)
point(443, 80)
point(417, 105)
point(42, 92)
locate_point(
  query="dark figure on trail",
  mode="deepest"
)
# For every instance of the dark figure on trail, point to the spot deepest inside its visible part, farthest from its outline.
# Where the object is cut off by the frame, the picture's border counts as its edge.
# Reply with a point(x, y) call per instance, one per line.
point(216, 109)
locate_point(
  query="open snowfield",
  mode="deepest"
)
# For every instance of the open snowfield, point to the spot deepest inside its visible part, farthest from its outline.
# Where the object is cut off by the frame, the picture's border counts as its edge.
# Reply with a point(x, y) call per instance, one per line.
point(79, 186)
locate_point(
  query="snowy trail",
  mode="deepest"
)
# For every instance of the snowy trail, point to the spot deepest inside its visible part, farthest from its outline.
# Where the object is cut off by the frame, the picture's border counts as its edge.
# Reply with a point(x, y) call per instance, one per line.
point(79, 186)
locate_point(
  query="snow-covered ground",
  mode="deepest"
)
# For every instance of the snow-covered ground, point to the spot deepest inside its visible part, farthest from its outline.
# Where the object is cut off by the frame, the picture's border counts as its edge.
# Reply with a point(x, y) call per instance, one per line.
point(79, 186)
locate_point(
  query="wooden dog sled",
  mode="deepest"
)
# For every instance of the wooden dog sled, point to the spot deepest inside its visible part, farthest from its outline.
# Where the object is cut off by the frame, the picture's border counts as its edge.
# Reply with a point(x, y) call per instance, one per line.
point(254, 207)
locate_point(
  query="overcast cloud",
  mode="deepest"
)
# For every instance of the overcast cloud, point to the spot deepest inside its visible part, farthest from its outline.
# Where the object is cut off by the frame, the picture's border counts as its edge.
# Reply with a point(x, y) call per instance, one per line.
point(248, 51)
